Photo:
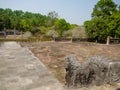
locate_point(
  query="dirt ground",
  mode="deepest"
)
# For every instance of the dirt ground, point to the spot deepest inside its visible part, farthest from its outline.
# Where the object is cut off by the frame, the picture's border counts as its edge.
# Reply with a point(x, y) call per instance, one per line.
point(52, 54)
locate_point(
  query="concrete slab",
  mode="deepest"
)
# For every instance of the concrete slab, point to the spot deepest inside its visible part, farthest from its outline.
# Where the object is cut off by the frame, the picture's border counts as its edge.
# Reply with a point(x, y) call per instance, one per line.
point(21, 70)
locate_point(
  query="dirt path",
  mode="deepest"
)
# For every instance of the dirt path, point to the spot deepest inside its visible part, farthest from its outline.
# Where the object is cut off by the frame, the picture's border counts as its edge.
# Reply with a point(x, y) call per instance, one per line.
point(20, 70)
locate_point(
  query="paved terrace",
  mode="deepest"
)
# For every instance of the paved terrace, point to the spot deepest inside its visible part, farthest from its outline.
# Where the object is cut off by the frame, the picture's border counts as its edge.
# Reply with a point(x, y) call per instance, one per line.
point(21, 70)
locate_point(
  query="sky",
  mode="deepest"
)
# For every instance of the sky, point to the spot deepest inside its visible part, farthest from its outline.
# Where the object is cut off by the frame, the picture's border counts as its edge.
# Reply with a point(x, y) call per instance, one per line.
point(73, 11)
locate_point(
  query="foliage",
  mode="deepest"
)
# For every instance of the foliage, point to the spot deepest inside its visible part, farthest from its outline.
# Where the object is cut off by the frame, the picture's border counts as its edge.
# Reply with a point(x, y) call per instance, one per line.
point(35, 23)
point(61, 25)
point(67, 33)
point(114, 25)
point(72, 26)
point(27, 34)
point(78, 32)
point(53, 16)
point(52, 33)
point(104, 8)
point(105, 21)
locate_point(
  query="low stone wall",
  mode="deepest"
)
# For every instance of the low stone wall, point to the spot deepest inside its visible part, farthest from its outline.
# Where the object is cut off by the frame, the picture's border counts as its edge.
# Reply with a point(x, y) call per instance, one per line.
point(96, 70)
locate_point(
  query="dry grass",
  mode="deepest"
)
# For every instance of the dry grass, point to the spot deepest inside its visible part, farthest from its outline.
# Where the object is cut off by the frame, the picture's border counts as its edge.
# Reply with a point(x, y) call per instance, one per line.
point(52, 55)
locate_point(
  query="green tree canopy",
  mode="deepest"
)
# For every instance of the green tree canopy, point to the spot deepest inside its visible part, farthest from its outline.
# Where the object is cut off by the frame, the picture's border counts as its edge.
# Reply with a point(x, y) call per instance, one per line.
point(104, 8)
point(61, 25)
point(35, 23)
point(105, 21)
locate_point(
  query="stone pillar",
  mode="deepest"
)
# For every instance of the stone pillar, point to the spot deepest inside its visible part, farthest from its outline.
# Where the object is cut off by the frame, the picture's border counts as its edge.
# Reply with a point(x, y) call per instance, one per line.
point(108, 40)
point(14, 34)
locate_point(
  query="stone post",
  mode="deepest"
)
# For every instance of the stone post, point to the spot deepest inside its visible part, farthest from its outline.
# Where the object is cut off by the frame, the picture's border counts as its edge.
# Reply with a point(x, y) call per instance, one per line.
point(108, 40)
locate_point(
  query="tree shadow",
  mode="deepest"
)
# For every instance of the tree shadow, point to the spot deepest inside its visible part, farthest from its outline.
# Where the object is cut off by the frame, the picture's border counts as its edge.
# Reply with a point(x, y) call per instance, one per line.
point(118, 89)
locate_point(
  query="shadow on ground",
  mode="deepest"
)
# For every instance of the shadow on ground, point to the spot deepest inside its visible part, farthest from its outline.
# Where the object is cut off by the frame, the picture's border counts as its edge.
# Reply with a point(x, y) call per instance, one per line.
point(118, 89)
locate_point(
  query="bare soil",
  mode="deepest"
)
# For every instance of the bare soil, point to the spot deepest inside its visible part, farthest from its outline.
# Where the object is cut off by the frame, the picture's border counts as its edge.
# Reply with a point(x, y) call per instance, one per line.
point(52, 54)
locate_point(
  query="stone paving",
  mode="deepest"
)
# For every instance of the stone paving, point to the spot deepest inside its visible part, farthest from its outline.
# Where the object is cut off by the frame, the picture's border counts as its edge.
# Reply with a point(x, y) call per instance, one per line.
point(21, 70)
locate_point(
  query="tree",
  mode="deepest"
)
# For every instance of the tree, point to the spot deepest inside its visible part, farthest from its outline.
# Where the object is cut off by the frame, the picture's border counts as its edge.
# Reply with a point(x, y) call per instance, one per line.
point(52, 17)
point(78, 32)
point(61, 25)
point(52, 33)
point(103, 22)
point(24, 24)
point(2, 24)
point(67, 33)
point(35, 23)
point(104, 8)
point(114, 25)
point(6, 17)
point(96, 28)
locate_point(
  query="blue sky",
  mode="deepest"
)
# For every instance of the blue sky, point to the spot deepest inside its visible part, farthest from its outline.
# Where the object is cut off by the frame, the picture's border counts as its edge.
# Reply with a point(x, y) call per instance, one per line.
point(74, 11)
